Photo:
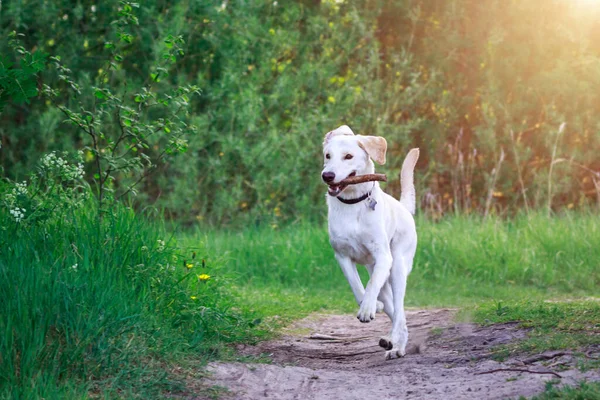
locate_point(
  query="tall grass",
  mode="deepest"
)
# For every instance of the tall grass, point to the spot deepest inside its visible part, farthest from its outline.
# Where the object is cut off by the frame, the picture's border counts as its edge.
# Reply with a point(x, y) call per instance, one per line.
point(459, 260)
point(103, 308)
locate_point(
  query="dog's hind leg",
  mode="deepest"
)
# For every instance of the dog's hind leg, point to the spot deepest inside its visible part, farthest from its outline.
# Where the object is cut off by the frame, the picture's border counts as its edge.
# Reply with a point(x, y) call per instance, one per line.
point(386, 297)
point(399, 335)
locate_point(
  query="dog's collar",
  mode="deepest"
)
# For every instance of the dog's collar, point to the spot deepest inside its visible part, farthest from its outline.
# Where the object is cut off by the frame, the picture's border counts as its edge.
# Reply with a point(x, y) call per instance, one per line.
point(356, 200)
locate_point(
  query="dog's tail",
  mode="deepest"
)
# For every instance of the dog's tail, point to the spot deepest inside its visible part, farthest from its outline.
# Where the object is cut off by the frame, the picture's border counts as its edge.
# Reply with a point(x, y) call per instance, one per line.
point(408, 196)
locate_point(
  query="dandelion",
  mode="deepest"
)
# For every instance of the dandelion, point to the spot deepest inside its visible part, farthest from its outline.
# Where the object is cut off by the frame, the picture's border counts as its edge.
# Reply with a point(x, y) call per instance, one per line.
point(189, 265)
point(203, 277)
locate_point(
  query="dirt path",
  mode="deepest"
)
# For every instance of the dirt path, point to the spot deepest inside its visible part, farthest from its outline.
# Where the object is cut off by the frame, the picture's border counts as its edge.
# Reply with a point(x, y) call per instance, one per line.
point(443, 362)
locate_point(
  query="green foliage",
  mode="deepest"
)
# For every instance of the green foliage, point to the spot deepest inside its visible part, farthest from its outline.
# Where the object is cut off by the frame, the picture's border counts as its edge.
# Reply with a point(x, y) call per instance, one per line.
point(57, 188)
point(18, 76)
point(99, 307)
point(465, 81)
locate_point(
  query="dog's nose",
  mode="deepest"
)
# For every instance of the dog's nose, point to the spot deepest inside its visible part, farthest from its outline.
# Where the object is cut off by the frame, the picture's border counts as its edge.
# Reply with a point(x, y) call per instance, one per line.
point(328, 176)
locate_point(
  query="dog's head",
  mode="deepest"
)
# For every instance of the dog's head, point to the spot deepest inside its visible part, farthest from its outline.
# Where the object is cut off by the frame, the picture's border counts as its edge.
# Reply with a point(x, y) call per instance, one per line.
point(347, 154)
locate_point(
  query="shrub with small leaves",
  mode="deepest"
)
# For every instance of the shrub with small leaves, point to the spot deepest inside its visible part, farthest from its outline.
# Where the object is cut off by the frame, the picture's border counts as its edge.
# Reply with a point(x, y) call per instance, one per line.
point(130, 129)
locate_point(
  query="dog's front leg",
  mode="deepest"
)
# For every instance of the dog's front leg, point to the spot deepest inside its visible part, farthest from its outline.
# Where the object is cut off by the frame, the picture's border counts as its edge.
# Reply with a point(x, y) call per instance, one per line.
point(381, 272)
point(350, 272)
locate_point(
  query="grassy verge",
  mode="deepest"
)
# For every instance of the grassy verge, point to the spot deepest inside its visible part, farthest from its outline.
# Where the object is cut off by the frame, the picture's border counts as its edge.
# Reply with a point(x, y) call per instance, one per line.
point(583, 391)
point(551, 326)
point(460, 261)
point(111, 309)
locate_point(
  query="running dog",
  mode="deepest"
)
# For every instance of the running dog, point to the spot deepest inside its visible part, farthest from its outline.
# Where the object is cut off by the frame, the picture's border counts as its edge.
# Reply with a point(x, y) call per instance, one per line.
point(371, 228)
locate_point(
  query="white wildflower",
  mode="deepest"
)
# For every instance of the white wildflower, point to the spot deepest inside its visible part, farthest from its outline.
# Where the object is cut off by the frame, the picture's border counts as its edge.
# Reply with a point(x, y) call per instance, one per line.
point(17, 213)
point(161, 245)
point(20, 189)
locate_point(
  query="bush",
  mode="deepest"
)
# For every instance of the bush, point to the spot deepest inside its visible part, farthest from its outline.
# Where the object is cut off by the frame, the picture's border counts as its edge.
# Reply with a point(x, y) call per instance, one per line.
point(482, 88)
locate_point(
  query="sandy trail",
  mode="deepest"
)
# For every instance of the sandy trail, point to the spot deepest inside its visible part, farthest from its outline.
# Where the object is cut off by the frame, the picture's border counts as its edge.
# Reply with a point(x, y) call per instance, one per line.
point(443, 362)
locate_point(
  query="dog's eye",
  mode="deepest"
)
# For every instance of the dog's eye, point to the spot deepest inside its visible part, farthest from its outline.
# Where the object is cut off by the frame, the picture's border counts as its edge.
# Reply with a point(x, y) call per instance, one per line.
point(348, 157)
point(327, 156)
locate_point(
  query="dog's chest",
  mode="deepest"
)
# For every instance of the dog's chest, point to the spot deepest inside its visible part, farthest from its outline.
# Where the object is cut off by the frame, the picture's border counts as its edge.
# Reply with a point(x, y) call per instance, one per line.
point(349, 237)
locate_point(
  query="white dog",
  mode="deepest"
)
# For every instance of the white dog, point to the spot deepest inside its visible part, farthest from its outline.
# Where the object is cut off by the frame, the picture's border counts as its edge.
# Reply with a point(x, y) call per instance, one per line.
point(370, 227)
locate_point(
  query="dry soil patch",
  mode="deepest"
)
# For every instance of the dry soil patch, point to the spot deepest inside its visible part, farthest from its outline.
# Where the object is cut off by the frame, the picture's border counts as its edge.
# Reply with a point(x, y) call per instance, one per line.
point(444, 361)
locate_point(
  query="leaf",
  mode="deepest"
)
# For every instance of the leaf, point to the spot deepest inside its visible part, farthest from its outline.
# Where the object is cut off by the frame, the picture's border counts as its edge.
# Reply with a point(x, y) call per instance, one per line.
point(100, 94)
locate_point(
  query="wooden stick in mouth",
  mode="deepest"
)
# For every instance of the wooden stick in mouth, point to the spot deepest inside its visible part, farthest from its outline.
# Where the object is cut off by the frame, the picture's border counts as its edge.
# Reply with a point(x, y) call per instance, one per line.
point(353, 180)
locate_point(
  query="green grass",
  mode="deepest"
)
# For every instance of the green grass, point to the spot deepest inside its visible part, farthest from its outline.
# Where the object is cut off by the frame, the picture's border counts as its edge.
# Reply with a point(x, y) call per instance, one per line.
point(107, 309)
point(460, 261)
point(132, 320)
point(550, 325)
point(583, 391)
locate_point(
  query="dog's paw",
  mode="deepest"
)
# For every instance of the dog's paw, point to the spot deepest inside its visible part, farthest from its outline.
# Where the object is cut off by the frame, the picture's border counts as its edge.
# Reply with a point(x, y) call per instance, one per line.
point(379, 306)
point(367, 310)
point(394, 353)
point(386, 342)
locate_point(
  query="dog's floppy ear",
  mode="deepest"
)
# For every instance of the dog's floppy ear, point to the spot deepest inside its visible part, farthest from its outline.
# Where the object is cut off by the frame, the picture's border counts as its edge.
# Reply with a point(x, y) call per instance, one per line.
point(342, 130)
point(375, 146)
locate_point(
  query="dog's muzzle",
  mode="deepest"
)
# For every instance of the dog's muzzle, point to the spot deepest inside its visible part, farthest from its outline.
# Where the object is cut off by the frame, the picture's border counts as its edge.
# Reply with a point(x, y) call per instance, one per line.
point(334, 189)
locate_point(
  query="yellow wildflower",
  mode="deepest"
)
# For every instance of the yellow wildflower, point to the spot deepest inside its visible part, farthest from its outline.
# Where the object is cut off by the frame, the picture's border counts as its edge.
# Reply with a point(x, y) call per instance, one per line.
point(331, 99)
point(203, 277)
point(189, 265)
point(193, 297)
